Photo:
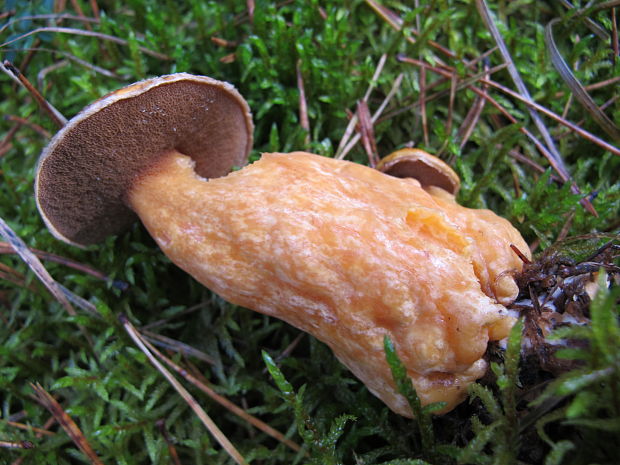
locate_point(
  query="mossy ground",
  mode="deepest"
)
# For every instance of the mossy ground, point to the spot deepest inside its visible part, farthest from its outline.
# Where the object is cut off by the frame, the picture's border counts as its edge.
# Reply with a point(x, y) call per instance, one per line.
point(269, 51)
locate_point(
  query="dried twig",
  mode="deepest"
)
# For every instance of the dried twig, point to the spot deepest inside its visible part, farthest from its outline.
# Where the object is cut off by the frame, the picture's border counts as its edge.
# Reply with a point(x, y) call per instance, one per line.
point(80, 32)
point(367, 133)
point(6, 248)
point(485, 13)
point(473, 115)
point(48, 16)
point(24, 122)
point(541, 147)
point(203, 386)
point(202, 415)
point(67, 423)
point(177, 346)
point(375, 117)
point(16, 445)
point(53, 113)
point(422, 97)
point(341, 150)
point(25, 427)
point(39, 270)
point(303, 106)
point(576, 87)
point(174, 456)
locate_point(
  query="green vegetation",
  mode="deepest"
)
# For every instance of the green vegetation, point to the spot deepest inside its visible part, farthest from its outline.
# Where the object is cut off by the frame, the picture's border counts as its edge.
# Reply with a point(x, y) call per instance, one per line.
point(87, 361)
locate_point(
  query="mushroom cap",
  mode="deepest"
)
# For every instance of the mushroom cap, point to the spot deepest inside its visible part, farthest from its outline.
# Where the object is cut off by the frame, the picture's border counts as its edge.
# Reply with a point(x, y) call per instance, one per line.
point(418, 164)
point(84, 173)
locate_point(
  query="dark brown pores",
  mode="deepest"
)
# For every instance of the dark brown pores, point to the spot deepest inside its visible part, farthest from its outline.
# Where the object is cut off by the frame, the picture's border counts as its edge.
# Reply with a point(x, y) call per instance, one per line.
point(89, 165)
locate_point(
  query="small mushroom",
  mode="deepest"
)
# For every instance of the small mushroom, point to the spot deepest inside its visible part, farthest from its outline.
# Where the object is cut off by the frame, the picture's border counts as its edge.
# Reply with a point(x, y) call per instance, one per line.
point(337, 249)
point(418, 164)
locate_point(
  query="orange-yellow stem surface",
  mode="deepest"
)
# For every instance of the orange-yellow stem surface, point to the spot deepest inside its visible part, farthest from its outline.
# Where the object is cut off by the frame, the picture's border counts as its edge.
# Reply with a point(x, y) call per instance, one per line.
point(349, 255)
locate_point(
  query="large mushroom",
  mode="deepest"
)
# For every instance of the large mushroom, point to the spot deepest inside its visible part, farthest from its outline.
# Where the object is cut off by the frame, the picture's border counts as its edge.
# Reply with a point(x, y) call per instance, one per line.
point(340, 250)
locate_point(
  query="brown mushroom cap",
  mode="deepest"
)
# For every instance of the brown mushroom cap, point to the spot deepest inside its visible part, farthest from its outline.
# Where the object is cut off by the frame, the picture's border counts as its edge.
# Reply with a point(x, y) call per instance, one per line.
point(85, 171)
point(418, 164)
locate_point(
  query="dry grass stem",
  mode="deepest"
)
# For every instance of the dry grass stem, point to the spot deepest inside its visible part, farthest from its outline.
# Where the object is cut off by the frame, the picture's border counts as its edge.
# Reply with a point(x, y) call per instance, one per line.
point(223, 401)
point(542, 148)
point(183, 313)
point(80, 12)
point(530, 103)
point(57, 17)
point(40, 431)
point(422, 97)
point(174, 456)
point(6, 248)
point(35, 127)
point(341, 151)
point(375, 117)
point(177, 346)
point(487, 18)
point(52, 112)
point(473, 115)
point(367, 133)
point(67, 423)
point(303, 105)
point(41, 273)
point(189, 399)
point(80, 32)
point(576, 87)
point(16, 445)
point(397, 23)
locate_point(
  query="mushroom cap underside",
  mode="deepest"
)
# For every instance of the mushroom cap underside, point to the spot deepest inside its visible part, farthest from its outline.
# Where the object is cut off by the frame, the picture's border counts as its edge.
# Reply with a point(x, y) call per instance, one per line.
point(84, 173)
point(418, 164)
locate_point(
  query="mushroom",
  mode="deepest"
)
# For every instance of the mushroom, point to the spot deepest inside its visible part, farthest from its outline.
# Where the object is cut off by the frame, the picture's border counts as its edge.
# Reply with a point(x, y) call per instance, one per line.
point(337, 249)
point(418, 164)
point(84, 174)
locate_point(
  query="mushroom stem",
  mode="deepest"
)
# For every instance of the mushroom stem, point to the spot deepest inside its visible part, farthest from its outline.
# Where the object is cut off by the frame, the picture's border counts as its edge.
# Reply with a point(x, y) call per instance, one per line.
point(341, 251)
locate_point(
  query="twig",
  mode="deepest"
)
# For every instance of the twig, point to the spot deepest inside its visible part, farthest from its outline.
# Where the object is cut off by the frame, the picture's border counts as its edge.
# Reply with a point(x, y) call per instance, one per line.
point(341, 150)
point(6, 248)
point(367, 133)
point(375, 116)
point(53, 113)
point(185, 312)
point(39, 270)
point(48, 16)
point(552, 161)
point(177, 346)
point(35, 265)
point(223, 401)
point(200, 413)
point(35, 127)
point(95, 8)
point(397, 23)
point(615, 44)
point(473, 115)
point(530, 103)
point(80, 32)
point(303, 106)
point(485, 13)
point(48, 69)
point(161, 425)
point(16, 445)
point(40, 431)
point(250, 7)
point(577, 88)
point(80, 12)
point(596, 85)
point(6, 140)
point(67, 423)
point(422, 84)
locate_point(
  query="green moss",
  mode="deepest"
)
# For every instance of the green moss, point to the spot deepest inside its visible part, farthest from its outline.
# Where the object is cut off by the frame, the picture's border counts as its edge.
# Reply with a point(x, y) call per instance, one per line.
point(107, 385)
